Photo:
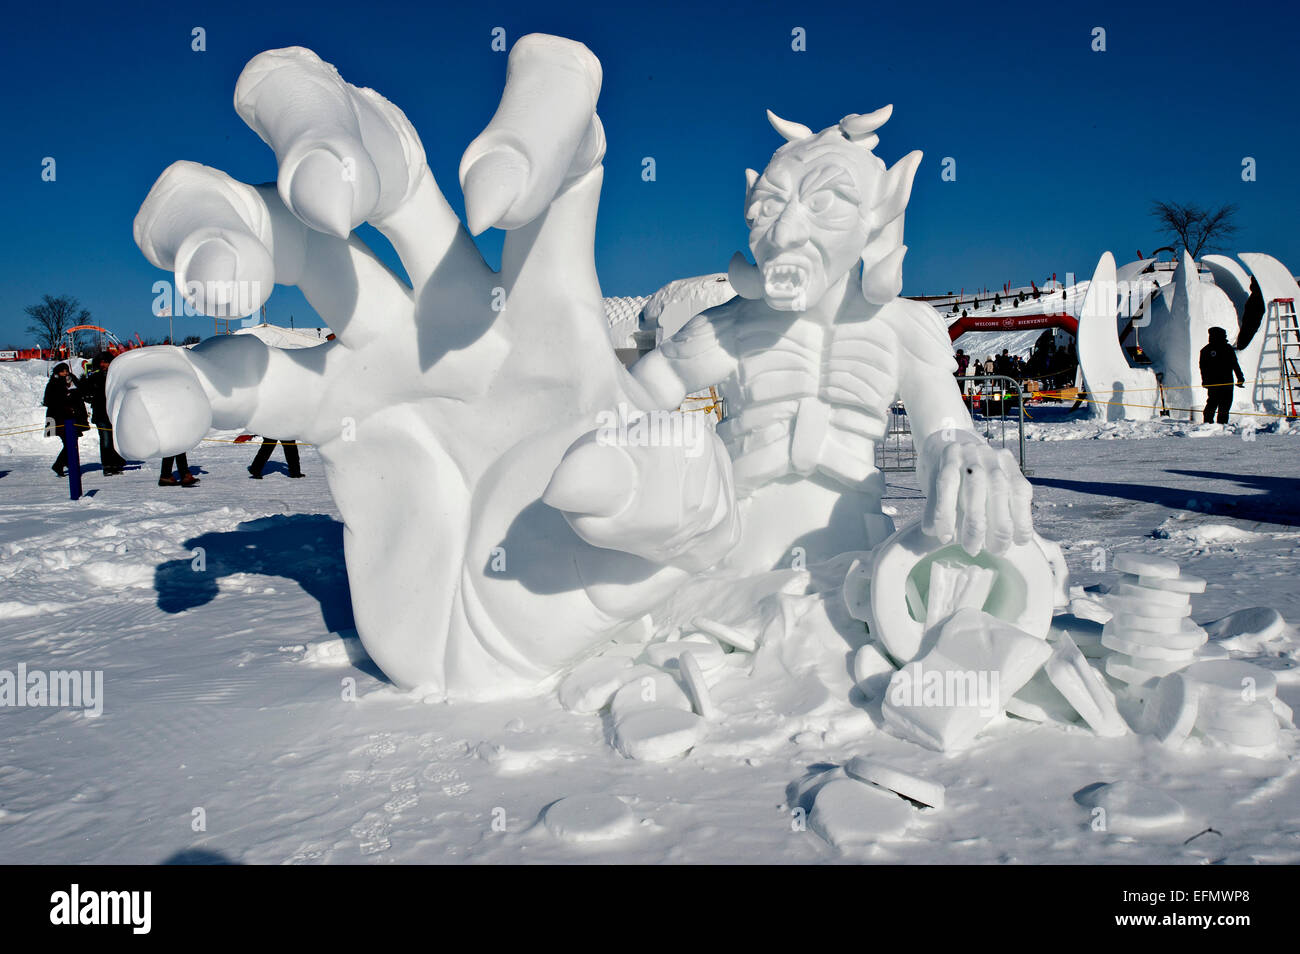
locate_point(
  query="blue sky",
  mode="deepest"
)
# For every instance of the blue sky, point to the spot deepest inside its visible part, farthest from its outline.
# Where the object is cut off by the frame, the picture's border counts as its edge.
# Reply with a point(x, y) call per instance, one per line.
point(1058, 149)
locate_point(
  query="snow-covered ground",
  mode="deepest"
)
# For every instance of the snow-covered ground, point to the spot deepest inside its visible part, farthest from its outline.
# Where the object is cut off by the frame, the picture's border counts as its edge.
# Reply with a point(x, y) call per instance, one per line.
point(227, 729)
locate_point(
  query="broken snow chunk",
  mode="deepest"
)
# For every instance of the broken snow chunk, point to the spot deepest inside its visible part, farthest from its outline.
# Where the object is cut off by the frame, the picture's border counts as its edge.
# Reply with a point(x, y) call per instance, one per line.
point(1084, 689)
point(857, 589)
point(726, 634)
point(1283, 712)
point(978, 662)
point(656, 735)
point(1040, 701)
point(1142, 564)
point(1144, 601)
point(1229, 680)
point(1248, 629)
point(903, 783)
point(1181, 584)
point(852, 814)
point(697, 687)
point(648, 688)
point(1090, 609)
point(1170, 711)
point(708, 653)
point(589, 818)
point(589, 687)
point(955, 586)
point(1131, 809)
point(1250, 724)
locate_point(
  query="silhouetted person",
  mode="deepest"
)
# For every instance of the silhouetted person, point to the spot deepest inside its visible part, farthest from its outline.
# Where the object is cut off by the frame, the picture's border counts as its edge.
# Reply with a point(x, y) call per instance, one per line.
point(92, 387)
point(1251, 315)
point(61, 400)
point(165, 479)
point(1218, 368)
point(264, 454)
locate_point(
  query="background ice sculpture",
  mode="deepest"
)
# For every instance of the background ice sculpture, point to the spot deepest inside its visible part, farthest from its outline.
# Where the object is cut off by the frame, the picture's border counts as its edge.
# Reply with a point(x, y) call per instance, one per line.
point(442, 410)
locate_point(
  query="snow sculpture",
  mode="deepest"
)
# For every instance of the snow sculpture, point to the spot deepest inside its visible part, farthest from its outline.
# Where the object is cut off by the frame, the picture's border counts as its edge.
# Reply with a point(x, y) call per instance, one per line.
point(442, 410)
point(1179, 325)
point(493, 537)
point(1119, 391)
point(813, 351)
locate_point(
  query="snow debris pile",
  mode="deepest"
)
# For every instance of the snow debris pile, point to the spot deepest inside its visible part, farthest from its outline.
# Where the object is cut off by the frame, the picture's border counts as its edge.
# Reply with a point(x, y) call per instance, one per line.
point(1139, 665)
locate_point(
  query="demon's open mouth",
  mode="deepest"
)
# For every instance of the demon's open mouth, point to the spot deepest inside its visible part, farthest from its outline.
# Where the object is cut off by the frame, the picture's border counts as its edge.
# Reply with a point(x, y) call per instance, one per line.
point(785, 281)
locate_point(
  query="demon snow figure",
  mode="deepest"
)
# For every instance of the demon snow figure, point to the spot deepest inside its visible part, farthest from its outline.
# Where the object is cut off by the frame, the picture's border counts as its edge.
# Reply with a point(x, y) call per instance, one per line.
point(813, 352)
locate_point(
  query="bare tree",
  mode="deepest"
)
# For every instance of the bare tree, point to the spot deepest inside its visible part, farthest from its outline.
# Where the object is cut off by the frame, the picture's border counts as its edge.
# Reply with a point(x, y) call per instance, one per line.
point(52, 317)
point(1197, 229)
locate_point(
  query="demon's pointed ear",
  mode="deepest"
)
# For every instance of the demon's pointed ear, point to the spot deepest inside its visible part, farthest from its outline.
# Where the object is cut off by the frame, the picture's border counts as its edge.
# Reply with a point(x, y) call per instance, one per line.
point(750, 178)
point(745, 277)
point(896, 189)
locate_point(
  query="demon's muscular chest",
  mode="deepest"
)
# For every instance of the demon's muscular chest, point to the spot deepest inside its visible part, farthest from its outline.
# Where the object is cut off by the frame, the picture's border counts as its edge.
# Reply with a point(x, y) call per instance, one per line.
point(807, 397)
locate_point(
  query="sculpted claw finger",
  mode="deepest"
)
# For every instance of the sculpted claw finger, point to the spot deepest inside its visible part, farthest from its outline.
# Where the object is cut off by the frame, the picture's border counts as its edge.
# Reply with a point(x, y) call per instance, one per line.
point(973, 510)
point(544, 134)
point(941, 506)
point(999, 510)
point(592, 479)
point(156, 403)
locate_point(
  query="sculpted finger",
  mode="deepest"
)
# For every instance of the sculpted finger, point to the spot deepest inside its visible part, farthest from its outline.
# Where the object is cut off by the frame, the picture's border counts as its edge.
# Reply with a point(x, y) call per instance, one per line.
point(941, 505)
point(973, 502)
point(544, 134)
point(214, 233)
point(1021, 503)
point(156, 403)
point(1000, 527)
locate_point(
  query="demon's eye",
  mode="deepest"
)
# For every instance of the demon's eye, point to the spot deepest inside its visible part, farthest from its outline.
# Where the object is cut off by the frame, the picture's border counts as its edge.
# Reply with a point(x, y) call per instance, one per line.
point(821, 201)
point(771, 207)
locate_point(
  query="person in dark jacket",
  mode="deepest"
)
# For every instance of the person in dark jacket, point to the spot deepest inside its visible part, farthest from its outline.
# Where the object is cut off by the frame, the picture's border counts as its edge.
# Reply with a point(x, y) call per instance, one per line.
point(1251, 315)
point(92, 387)
point(963, 362)
point(1218, 368)
point(264, 454)
point(165, 479)
point(61, 400)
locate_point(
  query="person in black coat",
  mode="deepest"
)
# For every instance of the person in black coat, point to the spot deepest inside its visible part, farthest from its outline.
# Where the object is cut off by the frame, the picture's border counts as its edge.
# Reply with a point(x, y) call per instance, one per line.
point(1218, 368)
point(93, 389)
point(264, 454)
point(1251, 315)
point(63, 401)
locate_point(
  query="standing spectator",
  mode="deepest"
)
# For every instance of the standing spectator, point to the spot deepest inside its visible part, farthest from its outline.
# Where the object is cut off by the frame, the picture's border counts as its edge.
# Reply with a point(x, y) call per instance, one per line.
point(264, 455)
point(61, 401)
point(963, 362)
point(165, 479)
point(93, 388)
point(1218, 367)
point(990, 366)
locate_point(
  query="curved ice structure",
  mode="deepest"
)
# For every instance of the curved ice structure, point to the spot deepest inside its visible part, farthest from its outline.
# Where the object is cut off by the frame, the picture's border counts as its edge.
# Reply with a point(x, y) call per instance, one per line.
point(1118, 390)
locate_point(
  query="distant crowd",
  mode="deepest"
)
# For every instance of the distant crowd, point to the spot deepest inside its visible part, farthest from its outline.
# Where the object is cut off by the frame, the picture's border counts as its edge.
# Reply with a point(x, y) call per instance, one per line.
point(66, 398)
point(1052, 367)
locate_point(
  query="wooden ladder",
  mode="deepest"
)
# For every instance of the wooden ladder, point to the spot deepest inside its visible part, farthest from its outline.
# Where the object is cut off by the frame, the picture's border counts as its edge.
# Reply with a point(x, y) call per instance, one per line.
point(1282, 326)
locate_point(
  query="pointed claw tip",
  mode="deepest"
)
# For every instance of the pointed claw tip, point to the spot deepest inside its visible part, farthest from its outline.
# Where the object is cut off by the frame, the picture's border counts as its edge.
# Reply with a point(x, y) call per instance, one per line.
point(595, 479)
point(322, 192)
point(492, 184)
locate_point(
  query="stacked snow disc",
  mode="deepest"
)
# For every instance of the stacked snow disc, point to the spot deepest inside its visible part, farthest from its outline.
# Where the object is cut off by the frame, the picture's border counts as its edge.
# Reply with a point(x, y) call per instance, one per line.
point(1150, 633)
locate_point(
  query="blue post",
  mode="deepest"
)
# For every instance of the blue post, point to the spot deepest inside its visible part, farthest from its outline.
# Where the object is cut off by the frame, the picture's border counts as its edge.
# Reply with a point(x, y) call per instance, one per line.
point(70, 436)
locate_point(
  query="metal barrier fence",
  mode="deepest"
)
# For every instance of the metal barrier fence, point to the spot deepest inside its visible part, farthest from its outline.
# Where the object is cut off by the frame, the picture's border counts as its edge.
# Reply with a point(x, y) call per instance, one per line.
point(995, 402)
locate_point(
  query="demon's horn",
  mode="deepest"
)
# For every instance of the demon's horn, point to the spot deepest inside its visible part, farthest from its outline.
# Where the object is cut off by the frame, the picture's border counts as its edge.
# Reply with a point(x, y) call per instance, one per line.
point(790, 131)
